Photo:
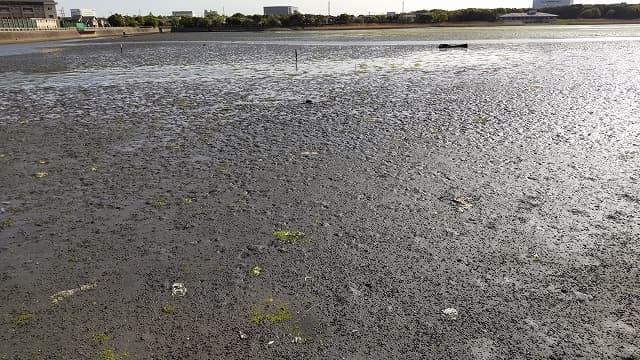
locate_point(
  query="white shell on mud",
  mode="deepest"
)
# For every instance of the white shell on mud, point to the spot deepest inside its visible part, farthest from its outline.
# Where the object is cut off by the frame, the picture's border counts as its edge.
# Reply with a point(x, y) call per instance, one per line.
point(178, 289)
point(451, 313)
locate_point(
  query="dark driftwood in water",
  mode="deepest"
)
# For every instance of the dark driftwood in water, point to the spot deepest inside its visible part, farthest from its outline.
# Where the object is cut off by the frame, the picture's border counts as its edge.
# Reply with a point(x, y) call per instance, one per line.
point(453, 46)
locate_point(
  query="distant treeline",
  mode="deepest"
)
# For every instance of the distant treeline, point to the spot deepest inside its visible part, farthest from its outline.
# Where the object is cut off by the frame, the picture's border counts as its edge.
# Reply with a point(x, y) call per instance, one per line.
point(213, 20)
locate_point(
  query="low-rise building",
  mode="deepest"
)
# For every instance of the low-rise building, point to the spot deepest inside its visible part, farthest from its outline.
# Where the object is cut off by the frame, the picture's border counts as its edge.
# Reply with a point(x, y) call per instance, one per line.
point(83, 12)
point(28, 9)
point(529, 17)
point(182, 13)
point(280, 10)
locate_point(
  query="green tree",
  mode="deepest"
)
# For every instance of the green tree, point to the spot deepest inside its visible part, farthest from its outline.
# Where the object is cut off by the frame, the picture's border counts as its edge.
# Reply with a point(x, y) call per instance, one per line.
point(116, 20)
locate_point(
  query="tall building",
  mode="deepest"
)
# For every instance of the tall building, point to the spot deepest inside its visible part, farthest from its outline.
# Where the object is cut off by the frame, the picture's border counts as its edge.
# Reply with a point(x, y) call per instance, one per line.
point(280, 10)
point(83, 12)
point(28, 9)
point(541, 4)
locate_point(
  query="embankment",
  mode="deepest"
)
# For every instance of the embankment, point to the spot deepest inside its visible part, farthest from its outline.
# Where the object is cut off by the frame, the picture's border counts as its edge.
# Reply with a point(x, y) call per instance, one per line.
point(12, 37)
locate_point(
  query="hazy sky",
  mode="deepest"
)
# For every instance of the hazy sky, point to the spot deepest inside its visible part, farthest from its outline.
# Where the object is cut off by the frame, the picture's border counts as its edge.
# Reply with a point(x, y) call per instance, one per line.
point(164, 7)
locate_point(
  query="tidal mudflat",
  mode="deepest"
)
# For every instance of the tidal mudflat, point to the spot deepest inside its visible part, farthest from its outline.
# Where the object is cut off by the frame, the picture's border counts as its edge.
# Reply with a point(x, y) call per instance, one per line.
point(197, 197)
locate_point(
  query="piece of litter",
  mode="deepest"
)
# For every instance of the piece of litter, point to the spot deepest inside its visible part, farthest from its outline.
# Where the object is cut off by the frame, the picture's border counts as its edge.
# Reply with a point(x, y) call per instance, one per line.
point(40, 175)
point(463, 203)
point(309, 153)
point(178, 289)
point(243, 335)
point(451, 313)
point(536, 258)
point(57, 297)
point(270, 342)
point(296, 340)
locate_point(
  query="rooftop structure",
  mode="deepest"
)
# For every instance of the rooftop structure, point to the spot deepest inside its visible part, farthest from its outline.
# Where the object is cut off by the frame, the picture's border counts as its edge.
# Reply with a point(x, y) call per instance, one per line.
point(28, 9)
point(280, 10)
point(83, 12)
point(182, 13)
point(541, 4)
point(529, 17)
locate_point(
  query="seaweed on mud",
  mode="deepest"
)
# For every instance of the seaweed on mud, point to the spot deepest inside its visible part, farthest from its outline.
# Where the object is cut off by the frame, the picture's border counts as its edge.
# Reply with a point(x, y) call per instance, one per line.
point(40, 175)
point(168, 309)
point(289, 236)
point(7, 223)
point(256, 270)
point(23, 319)
point(183, 103)
point(160, 203)
point(187, 201)
point(270, 312)
point(109, 354)
point(101, 338)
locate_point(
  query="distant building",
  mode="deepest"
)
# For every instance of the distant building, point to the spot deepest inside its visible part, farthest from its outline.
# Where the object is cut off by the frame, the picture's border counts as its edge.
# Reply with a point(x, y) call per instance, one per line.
point(529, 17)
point(280, 10)
point(541, 4)
point(83, 12)
point(210, 13)
point(28, 9)
point(182, 13)
point(391, 14)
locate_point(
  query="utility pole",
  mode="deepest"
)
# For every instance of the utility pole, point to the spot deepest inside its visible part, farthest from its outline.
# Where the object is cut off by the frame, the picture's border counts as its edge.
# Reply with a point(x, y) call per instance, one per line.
point(403, 7)
point(329, 9)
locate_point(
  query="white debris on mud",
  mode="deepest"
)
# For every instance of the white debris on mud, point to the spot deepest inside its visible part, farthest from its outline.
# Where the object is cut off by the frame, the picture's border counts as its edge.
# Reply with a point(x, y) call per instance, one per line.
point(59, 296)
point(178, 289)
point(451, 313)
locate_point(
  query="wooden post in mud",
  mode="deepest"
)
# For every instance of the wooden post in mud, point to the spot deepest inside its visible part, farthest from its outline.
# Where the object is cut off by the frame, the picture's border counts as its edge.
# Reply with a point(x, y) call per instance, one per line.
point(296, 60)
point(121, 49)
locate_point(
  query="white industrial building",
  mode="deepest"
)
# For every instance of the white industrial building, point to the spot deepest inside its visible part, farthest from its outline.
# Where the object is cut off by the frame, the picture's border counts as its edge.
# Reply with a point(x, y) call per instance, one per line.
point(182, 13)
point(83, 12)
point(280, 10)
point(541, 4)
point(530, 17)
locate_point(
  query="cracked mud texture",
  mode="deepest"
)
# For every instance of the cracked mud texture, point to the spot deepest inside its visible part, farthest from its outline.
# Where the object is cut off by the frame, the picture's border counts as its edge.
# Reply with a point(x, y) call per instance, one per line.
point(502, 182)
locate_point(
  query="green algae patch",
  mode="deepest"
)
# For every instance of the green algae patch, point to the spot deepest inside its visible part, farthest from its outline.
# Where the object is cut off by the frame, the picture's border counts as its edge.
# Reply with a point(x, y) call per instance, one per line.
point(270, 312)
point(168, 309)
point(187, 201)
point(7, 223)
point(256, 270)
point(101, 338)
point(291, 237)
point(184, 103)
point(159, 203)
point(109, 354)
point(23, 319)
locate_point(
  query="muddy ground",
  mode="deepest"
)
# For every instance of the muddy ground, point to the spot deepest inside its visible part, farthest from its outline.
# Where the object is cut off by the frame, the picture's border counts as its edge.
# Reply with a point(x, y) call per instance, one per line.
point(503, 185)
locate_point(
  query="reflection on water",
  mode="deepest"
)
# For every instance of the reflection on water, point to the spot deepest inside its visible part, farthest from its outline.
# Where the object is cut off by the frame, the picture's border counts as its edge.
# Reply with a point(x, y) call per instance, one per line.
point(208, 56)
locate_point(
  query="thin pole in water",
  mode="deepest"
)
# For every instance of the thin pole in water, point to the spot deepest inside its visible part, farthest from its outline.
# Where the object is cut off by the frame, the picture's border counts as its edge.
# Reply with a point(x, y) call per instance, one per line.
point(121, 49)
point(296, 60)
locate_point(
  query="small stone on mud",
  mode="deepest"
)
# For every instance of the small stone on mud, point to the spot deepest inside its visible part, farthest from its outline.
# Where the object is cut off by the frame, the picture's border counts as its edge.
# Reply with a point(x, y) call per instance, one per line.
point(243, 335)
point(308, 101)
point(178, 289)
point(582, 296)
point(451, 313)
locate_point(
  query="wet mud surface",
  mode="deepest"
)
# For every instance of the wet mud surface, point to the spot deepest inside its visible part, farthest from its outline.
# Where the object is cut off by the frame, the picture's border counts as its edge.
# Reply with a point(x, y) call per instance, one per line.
point(502, 182)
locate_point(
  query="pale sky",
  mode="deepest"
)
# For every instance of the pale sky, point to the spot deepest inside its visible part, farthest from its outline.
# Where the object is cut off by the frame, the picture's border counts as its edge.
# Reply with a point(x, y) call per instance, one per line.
point(356, 7)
